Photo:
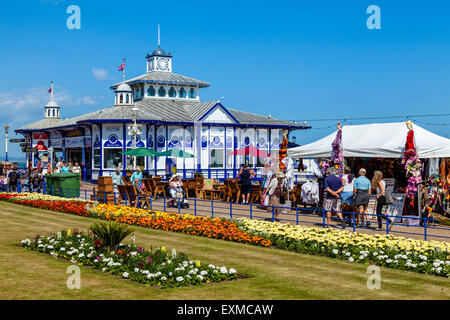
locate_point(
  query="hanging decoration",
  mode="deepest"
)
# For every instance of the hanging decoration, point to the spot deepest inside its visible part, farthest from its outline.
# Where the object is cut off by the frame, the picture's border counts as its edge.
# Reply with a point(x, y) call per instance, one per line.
point(282, 153)
point(437, 193)
point(336, 153)
point(412, 165)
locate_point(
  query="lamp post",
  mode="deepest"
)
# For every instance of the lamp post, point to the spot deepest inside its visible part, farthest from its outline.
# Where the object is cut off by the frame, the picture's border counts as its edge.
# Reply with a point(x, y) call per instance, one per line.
point(6, 142)
point(51, 150)
point(134, 131)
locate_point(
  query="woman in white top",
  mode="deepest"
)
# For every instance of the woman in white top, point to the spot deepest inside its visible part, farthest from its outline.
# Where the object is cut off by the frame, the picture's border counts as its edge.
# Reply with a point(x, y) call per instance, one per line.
point(379, 186)
point(347, 182)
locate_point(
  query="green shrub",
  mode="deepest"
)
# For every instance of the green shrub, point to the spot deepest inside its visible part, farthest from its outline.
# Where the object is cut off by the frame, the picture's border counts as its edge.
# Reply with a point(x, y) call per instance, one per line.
point(111, 234)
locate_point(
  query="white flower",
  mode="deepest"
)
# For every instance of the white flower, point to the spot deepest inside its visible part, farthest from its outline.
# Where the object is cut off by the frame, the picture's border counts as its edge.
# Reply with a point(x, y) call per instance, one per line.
point(203, 273)
point(179, 279)
point(351, 259)
point(223, 270)
point(125, 274)
point(232, 270)
point(81, 255)
point(200, 277)
point(136, 269)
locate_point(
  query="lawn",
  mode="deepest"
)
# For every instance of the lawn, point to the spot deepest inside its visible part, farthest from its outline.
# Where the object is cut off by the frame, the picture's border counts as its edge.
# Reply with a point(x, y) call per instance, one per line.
point(272, 273)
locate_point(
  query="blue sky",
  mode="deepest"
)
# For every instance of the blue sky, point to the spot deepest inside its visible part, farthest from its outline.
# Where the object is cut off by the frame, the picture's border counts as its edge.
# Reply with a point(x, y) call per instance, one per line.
point(294, 60)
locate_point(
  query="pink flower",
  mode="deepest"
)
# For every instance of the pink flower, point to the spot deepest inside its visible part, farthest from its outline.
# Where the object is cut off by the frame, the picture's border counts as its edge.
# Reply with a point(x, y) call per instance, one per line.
point(140, 248)
point(149, 260)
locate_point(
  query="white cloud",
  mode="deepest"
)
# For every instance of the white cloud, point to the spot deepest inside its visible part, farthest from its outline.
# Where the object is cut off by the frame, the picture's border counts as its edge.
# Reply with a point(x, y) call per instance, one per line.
point(20, 107)
point(100, 74)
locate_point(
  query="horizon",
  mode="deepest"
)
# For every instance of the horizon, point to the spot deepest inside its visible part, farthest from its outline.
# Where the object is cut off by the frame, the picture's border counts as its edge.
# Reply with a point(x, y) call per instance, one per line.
point(294, 61)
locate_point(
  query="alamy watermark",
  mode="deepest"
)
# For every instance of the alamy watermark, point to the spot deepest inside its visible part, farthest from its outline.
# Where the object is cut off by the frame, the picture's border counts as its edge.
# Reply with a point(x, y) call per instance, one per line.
point(74, 280)
point(374, 280)
point(374, 20)
point(74, 20)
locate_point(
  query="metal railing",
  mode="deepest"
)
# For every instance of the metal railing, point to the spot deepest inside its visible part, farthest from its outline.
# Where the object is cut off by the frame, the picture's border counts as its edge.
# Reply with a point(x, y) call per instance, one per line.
point(429, 228)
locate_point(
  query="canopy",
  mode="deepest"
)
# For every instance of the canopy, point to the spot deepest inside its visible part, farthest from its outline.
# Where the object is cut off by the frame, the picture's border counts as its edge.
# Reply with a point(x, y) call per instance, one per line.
point(249, 151)
point(175, 153)
point(140, 152)
point(376, 140)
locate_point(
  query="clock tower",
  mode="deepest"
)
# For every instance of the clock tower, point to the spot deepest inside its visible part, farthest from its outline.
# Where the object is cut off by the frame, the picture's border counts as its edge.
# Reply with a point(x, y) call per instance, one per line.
point(159, 60)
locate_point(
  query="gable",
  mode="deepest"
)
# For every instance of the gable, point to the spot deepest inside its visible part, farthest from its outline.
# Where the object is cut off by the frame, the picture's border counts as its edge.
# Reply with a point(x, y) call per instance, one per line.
point(218, 114)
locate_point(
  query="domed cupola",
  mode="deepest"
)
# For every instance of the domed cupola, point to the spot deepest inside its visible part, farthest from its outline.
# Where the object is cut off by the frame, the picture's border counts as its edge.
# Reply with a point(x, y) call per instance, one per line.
point(123, 95)
point(52, 108)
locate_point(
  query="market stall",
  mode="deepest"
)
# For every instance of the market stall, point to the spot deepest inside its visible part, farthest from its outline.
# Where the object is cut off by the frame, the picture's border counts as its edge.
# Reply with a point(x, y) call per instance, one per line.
point(404, 152)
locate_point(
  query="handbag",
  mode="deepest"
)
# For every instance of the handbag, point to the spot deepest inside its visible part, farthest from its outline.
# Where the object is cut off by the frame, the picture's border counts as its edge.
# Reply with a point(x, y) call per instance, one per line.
point(388, 196)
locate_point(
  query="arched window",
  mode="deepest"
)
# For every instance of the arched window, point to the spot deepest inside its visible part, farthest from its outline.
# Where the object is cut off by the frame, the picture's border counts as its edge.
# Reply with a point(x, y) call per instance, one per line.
point(53, 112)
point(172, 92)
point(162, 92)
point(121, 98)
point(192, 93)
point(182, 93)
point(48, 112)
point(128, 98)
point(151, 91)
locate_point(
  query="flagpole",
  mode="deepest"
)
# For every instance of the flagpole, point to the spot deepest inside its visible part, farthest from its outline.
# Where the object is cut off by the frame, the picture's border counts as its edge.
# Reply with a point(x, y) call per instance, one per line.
point(123, 70)
point(51, 92)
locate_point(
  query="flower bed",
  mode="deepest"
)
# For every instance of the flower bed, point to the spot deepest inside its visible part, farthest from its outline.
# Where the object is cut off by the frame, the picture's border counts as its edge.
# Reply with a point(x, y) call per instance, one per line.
point(38, 196)
point(195, 225)
point(153, 267)
point(431, 257)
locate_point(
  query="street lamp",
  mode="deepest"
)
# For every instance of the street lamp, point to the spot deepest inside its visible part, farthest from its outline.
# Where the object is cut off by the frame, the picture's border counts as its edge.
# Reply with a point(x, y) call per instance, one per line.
point(6, 142)
point(134, 131)
point(51, 150)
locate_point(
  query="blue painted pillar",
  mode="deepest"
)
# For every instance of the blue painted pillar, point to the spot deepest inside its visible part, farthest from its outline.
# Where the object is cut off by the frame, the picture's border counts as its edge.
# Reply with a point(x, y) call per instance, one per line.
point(64, 150)
point(83, 159)
point(198, 135)
point(124, 148)
point(100, 173)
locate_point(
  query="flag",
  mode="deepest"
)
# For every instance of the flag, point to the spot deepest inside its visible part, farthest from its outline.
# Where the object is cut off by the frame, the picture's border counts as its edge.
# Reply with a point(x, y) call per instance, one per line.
point(121, 67)
point(50, 90)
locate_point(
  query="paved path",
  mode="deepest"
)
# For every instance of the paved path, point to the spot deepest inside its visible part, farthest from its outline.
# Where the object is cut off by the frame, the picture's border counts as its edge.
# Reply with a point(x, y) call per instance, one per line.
point(300, 216)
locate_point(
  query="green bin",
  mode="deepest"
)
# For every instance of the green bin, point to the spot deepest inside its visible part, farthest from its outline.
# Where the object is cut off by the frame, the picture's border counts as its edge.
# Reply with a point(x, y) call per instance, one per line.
point(65, 185)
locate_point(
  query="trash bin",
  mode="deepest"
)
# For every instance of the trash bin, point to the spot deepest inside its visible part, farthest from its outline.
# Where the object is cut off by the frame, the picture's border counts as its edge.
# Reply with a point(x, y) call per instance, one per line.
point(49, 182)
point(65, 185)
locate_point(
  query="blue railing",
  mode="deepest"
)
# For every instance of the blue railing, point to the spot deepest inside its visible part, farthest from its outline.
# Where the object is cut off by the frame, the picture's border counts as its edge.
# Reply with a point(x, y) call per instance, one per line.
point(429, 228)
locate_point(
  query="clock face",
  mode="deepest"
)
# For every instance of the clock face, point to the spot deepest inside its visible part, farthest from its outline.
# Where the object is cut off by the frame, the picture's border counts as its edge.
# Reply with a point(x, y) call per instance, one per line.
point(163, 64)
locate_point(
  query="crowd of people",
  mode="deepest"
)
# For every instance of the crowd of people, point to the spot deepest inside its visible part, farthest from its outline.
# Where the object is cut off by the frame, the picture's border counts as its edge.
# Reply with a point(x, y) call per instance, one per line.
point(355, 192)
point(59, 167)
point(10, 178)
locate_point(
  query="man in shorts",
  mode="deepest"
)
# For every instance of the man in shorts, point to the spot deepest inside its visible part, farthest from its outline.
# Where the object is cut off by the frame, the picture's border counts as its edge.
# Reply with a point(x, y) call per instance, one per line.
point(333, 186)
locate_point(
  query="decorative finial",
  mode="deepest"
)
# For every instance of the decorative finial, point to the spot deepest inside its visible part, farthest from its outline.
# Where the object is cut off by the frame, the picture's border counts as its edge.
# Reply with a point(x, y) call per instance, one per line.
point(158, 37)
